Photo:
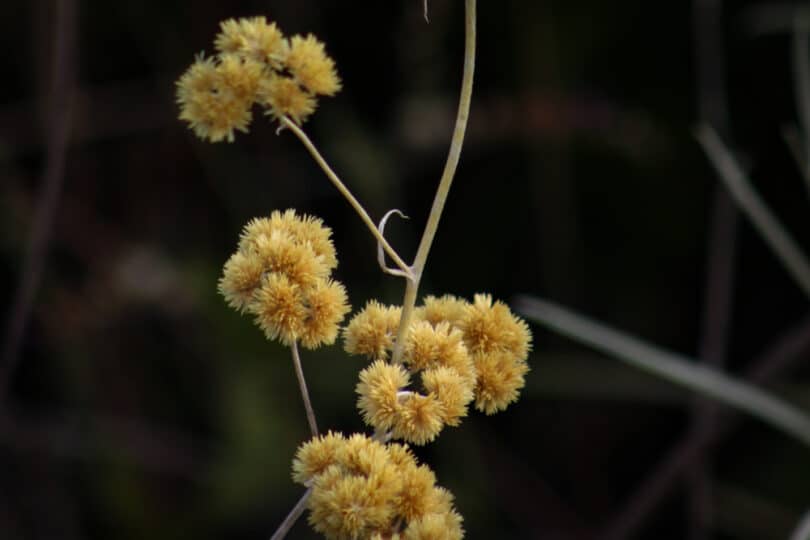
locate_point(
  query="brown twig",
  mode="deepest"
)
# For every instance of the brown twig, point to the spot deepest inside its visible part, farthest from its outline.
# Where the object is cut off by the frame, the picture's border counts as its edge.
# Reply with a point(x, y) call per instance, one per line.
point(62, 83)
point(719, 284)
point(778, 358)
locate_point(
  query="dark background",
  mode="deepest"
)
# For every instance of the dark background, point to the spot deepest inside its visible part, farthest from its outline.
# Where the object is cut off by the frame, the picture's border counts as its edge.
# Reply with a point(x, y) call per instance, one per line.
point(142, 407)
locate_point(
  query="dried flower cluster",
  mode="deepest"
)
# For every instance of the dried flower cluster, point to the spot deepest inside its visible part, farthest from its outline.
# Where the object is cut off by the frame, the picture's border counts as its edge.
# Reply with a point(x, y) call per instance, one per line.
point(255, 64)
point(280, 274)
point(364, 489)
point(462, 351)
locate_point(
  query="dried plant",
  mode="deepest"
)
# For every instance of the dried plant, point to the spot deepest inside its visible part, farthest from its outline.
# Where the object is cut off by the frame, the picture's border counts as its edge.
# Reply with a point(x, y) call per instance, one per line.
point(428, 363)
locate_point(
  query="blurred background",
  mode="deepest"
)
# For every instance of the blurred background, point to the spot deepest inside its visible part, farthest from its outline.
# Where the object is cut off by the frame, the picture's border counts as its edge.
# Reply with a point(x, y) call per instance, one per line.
point(135, 404)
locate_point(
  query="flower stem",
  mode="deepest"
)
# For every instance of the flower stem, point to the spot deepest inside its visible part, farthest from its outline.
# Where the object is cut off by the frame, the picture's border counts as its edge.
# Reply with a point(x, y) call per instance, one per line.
point(341, 187)
point(765, 223)
point(292, 517)
point(302, 383)
point(463, 114)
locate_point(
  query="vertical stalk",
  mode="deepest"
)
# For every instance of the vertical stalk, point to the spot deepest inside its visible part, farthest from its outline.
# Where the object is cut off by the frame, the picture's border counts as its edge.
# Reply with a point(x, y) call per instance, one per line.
point(302, 383)
point(463, 114)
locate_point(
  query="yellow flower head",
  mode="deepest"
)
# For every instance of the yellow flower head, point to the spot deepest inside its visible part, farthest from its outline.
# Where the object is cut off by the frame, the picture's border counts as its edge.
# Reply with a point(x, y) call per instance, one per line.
point(447, 308)
point(451, 390)
point(311, 66)
point(378, 389)
point(279, 309)
point(420, 419)
point(255, 64)
point(281, 254)
point(304, 229)
point(280, 274)
point(241, 277)
point(315, 456)
point(325, 305)
point(489, 327)
point(362, 488)
point(501, 375)
point(253, 38)
point(283, 96)
point(215, 97)
point(371, 332)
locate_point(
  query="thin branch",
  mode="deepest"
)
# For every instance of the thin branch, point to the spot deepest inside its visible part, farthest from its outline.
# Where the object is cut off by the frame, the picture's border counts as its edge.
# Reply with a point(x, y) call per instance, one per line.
point(341, 187)
point(302, 384)
point(292, 517)
point(777, 358)
point(775, 236)
point(449, 172)
point(60, 104)
point(722, 241)
point(678, 369)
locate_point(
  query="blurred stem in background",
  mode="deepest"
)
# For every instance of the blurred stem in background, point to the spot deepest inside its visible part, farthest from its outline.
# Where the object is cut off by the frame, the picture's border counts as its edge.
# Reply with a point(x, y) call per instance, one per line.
point(766, 224)
point(678, 369)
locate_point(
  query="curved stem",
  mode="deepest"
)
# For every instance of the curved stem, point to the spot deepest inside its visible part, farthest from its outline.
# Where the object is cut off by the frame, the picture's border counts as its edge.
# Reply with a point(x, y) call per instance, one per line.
point(292, 517)
point(463, 114)
point(341, 187)
point(302, 383)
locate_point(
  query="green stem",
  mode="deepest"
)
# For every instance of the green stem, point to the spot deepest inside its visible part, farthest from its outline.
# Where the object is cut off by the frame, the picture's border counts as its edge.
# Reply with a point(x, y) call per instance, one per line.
point(751, 204)
point(678, 369)
point(462, 116)
point(341, 187)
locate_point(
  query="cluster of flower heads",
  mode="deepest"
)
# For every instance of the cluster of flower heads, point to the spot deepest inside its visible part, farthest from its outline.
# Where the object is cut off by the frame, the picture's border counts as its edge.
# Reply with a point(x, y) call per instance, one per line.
point(463, 352)
point(364, 489)
point(255, 64)
point(280, 274)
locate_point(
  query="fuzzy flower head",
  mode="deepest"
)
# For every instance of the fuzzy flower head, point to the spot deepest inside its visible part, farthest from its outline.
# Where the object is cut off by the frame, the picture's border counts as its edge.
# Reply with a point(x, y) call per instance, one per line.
point(255, 65)
point(460, 352)
point(280, 274)
point(371, 332)
point(216, 96)
point(362, 488)
point(447, 379)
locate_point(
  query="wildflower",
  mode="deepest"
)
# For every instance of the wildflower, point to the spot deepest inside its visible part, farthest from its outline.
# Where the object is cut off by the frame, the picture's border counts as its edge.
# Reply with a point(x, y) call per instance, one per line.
point(253, 38)
point(210, 104)
point(283, 96)
point(452, 391)
point(242, 275)
point(489, 327)
point(447, 308)
point(362, 488)
point(371, 331)
point(279, 309)
point(378, 390)
point(303, 229)
point(316, 455)
point(280, 253)
point(501, 375)
point(280, 274)
point(255, 64)
point(420, 419)
point(311, 66)
point(325, 305)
